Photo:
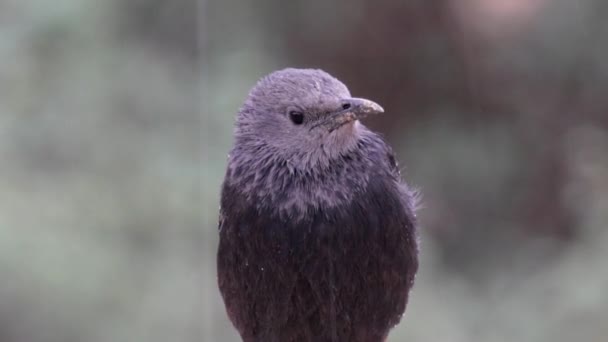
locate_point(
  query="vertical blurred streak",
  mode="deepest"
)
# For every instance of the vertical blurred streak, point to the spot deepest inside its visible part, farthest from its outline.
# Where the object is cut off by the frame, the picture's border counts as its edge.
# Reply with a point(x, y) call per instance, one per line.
point(207, 296)
point(570, 99)
point(464, 52)
point(571, 109)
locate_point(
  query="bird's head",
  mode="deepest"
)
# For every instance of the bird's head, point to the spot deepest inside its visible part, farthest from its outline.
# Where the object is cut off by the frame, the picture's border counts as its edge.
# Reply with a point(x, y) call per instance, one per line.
point(304, 113)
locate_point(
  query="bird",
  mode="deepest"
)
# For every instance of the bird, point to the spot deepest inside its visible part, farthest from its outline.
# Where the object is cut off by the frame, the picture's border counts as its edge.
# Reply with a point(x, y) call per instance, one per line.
point(317, 230)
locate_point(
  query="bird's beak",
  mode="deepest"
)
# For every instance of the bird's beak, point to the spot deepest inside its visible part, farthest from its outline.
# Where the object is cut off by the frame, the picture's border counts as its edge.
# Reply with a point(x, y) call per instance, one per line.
point(353, 109)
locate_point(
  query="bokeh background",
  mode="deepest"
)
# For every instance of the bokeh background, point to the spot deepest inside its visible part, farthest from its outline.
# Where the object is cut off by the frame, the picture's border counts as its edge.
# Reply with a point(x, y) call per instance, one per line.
point(116, 117)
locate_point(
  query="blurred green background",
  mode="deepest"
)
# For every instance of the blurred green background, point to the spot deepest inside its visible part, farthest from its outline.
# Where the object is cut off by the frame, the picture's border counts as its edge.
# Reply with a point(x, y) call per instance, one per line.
point(116, 117)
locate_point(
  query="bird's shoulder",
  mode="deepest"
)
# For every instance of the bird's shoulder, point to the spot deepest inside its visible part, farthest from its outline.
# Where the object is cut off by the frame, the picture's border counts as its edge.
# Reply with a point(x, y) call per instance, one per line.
point(378, 147)
point(384, 154)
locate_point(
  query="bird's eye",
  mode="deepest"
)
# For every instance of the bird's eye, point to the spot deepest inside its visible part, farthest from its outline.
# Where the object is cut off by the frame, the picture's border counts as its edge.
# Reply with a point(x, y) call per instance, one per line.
point(346, 106)
point(296, 117)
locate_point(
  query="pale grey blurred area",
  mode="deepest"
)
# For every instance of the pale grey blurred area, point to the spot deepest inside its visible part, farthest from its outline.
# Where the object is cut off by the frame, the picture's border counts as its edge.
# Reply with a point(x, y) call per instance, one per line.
point(116, 118)
point(100, 177)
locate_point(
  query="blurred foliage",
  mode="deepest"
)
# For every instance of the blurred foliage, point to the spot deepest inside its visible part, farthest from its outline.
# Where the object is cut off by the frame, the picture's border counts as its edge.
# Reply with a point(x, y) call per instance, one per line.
point(100, 223)
point(116, 117)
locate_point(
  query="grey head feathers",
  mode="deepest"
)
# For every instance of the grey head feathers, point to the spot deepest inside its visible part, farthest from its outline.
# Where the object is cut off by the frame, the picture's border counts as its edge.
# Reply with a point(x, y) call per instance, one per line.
point(299, 143)
point(265, 120)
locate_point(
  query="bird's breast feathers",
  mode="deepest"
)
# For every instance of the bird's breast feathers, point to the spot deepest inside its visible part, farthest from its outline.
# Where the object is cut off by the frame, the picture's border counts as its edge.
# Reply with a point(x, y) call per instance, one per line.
point(266, 180)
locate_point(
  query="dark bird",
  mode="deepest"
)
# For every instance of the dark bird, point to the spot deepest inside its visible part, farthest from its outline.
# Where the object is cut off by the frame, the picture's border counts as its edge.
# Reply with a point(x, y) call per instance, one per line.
point(317, 231)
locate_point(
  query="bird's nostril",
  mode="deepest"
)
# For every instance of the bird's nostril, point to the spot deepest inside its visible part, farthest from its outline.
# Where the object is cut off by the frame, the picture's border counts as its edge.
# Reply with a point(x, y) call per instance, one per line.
point(346, 106)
